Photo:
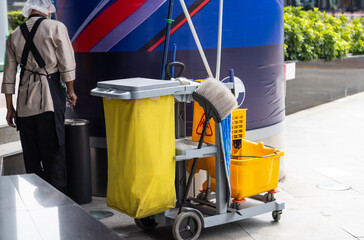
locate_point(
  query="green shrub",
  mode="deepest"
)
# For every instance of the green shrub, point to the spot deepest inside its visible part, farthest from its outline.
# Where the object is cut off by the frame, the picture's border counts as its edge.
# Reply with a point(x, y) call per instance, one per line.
point(313, 34)
point(357, 37)
point(15, 19)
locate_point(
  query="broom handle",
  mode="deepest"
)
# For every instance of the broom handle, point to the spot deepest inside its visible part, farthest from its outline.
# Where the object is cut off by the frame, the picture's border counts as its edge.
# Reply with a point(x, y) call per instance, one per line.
point(194, 164)
point(166, 39)
point(219, 41)
point(196, 38)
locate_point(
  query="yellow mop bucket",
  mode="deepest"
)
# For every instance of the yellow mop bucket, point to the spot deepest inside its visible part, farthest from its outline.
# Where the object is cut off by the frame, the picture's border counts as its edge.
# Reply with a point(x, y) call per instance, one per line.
point(141, 147)
point(254, 169)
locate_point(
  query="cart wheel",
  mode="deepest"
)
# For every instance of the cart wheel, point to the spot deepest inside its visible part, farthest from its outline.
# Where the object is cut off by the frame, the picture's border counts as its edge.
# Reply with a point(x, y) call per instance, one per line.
point(147, 223)
point(187, 225)
point(201, 196)
point(268, 197)
point(233, 205)
point(277, 215)
point(237, 206)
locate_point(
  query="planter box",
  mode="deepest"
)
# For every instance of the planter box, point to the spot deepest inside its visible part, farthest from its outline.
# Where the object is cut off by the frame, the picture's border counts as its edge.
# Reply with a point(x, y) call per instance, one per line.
point(318, 82)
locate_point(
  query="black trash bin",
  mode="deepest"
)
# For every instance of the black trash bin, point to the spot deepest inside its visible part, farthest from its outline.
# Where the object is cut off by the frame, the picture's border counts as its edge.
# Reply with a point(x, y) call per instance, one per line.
point(78, 161)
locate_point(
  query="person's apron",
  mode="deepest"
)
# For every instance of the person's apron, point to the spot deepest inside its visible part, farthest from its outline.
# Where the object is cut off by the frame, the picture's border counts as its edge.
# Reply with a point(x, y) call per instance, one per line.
point(57, 89)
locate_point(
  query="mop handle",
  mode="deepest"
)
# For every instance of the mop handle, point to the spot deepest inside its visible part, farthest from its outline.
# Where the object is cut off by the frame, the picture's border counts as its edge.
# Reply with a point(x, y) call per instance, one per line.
point(196, 38)
point(219, 41)
point(192, 173)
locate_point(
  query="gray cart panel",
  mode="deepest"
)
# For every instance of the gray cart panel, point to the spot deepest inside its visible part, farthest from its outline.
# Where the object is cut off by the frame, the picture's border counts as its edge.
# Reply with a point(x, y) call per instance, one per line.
point(137, 84)
point(137, 88)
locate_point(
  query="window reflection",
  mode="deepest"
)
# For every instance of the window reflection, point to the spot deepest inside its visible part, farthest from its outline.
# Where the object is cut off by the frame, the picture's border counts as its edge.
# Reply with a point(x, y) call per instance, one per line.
point(15, 219)
point(49, 218)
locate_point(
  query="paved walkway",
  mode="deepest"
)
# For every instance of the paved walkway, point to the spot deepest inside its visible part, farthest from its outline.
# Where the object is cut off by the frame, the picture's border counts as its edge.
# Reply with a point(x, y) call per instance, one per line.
point(322, 147)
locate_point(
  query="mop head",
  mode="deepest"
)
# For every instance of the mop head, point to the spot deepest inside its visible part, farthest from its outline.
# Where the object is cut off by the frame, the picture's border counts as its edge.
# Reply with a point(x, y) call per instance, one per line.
point(215, 93)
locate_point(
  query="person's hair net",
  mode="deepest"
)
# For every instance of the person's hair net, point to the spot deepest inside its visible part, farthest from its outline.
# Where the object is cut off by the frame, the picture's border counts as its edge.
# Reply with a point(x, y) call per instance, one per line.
point(44, 6)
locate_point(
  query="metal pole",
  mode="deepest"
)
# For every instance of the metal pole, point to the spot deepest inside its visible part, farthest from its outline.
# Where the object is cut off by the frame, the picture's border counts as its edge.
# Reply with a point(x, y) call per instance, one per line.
point(166, 40)
point(4, 29)
point(219, 41)
point(221, 184)
point(174, 58)
point(195, 37)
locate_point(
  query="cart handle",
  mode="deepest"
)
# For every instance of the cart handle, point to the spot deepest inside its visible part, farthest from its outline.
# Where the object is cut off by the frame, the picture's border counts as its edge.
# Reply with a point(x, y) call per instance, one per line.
point(175, 64)
point(109, 93)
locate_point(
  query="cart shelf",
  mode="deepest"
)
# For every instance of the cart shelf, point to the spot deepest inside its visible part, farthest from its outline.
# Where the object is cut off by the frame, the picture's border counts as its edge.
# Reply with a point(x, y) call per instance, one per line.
point(187, 149)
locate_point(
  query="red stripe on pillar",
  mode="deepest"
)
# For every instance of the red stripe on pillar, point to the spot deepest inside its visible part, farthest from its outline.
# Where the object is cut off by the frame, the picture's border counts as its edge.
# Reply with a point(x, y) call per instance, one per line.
point(105, 23)
point(180, 24)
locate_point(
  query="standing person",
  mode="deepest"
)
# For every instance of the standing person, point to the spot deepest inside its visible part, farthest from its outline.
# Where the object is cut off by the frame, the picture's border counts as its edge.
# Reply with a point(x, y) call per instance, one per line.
point(44, 52)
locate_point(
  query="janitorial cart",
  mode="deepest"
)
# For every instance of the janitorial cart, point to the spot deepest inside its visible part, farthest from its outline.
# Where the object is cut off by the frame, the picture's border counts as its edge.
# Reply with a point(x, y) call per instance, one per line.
point(148, 151)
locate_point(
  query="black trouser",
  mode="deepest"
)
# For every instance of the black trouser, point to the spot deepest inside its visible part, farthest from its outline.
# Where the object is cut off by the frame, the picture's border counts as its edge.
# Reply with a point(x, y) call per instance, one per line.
point(42, 154)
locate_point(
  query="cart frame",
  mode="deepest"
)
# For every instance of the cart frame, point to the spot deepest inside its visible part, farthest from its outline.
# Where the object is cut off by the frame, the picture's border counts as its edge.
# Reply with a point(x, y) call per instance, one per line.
point(207, 210)
point(216, 212)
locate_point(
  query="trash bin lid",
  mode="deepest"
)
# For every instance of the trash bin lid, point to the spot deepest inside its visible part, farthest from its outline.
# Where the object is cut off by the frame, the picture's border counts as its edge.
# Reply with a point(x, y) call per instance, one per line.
point(75, 122)
point(137, 88)
point(136, 84)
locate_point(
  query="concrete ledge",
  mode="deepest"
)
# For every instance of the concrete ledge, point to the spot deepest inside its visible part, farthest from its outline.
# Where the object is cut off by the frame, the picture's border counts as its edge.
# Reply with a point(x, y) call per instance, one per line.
point(9, 150)
point(8, 134)
point(318, 82)
point(13, 165)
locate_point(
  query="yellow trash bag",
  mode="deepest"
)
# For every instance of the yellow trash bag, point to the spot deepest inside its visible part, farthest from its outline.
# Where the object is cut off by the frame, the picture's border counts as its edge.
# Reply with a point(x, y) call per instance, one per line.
point(140, 147)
